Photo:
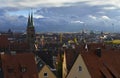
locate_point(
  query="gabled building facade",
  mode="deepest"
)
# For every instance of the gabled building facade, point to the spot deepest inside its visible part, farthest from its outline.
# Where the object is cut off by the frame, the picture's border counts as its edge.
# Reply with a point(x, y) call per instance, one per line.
point(74, 66)
point(44, 70)
point(79, 69)
point(64, 67)
point(99, 61)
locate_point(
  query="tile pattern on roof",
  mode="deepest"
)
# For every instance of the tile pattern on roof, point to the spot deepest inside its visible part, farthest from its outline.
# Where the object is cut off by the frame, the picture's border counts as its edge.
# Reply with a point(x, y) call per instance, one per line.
point(19, 65)
point(107, 65)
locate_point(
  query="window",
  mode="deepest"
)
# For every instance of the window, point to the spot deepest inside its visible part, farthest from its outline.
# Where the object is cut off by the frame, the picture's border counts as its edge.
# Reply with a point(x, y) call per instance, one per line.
point(45, 75)
point(10, 70)
point(23, 69)
point(41, 65)
point(80, 68)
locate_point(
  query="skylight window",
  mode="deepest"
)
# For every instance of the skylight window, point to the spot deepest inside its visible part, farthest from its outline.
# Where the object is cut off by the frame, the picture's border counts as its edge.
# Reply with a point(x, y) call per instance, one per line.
point(23, 69)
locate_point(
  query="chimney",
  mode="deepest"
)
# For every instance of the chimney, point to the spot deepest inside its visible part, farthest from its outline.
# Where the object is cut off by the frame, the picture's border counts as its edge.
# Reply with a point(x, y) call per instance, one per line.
point(98, 52)
point(86, 47)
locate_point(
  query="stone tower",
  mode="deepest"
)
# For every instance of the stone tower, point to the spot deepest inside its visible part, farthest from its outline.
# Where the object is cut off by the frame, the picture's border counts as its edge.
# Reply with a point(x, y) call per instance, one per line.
point(30, 32)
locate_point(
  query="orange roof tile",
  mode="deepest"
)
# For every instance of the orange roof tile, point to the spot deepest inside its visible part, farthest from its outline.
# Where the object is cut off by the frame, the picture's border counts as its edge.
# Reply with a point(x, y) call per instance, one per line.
point(19, 46)
point(19, 65)
point(108, 64)
point(4, 42)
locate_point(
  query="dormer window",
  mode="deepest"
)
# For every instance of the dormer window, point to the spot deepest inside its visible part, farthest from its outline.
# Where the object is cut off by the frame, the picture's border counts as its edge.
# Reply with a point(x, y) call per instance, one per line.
point(41, 65)
point(23, 69)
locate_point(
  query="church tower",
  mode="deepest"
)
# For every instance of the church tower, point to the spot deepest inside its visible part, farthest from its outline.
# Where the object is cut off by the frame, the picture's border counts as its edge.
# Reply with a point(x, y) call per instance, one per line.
point(30, 32)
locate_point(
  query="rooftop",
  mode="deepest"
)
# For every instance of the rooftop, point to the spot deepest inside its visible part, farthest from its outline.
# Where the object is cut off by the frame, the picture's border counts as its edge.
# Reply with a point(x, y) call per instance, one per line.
point(19, 65)
point(106, 65)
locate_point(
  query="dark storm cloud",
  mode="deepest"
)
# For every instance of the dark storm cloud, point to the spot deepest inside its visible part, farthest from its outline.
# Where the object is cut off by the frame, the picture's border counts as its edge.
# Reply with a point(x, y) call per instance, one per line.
point(67, 16)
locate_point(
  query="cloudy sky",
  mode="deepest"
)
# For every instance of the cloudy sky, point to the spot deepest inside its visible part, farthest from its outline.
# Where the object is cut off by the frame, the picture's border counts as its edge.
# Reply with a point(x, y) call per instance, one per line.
point(61, 15)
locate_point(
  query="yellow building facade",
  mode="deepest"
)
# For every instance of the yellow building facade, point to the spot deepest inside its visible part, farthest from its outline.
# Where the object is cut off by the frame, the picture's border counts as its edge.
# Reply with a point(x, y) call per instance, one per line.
point(79, 69)
point(45, 72)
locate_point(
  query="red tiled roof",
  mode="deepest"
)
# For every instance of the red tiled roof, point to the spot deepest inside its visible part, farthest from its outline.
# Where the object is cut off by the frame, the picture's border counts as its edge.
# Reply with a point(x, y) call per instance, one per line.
point(19, 46)
point(12, 65)
point(107, 65)
point(4, 42)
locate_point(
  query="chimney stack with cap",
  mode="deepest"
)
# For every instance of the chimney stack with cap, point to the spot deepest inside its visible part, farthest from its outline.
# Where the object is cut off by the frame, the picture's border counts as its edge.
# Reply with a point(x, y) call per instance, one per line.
point(98, 52)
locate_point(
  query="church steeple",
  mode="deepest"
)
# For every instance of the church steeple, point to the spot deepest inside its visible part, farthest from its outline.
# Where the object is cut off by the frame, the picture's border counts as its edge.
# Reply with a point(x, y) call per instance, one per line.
point(30, 32)
point(32, 19)
point(29, 20)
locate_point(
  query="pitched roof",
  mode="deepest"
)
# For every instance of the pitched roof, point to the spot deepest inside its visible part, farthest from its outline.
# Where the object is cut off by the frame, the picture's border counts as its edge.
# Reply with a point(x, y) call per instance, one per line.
point(19, 46)
point(19, 65)
point(1, 70)
point(47, 57)
point(71, 56)
point(105, 66)
point(40, 63)
point(4, 42)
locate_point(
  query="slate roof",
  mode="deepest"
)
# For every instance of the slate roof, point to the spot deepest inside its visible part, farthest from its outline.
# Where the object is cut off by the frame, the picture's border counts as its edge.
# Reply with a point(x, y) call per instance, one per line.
point(71, 56)
point(40, 63)
point(47, 57)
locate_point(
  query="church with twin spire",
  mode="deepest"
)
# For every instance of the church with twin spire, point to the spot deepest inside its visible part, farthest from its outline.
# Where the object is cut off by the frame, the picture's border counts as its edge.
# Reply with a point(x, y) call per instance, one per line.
point(30, 32)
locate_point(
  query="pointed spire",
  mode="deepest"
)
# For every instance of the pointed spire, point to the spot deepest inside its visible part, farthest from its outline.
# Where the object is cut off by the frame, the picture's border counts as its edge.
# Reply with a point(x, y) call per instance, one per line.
point(31, 18)
point(28, 24)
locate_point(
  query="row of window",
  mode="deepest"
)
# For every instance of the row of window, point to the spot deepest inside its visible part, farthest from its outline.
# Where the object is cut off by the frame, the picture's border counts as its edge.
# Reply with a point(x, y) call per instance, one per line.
point(22, 69)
